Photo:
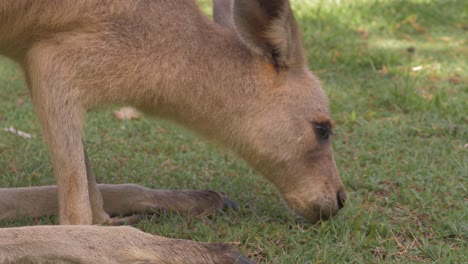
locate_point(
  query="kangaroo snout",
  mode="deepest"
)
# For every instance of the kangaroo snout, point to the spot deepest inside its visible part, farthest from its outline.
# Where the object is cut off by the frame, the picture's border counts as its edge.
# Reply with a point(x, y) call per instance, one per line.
point(319, 208)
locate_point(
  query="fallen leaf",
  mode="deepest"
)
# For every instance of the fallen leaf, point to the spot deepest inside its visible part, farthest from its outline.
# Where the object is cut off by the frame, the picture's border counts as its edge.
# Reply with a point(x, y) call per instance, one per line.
point(18, 132)
point(416, 25)
point(433, 78)
point(336, 54)
point(446, 39)
point(384, 70)
point(13, 167)
point(364, 33)
point(398, 25)
point(454, 80)
point(427, 96)
point(461, 26)
point(126, 113)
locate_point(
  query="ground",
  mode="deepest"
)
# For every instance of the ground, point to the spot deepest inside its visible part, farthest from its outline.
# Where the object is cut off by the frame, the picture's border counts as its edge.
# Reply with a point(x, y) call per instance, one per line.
point(396, 75)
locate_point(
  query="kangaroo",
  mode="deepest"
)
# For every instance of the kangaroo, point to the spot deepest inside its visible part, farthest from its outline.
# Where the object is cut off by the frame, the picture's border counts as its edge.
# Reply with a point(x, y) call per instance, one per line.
point(241, 80)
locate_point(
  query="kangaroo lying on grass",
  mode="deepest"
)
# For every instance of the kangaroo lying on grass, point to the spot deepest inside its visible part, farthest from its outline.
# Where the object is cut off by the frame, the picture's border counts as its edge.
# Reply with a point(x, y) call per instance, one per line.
point(241, 81)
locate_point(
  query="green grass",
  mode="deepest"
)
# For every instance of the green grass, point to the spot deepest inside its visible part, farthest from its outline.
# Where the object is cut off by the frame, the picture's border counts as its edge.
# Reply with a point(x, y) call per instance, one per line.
point(401, 144)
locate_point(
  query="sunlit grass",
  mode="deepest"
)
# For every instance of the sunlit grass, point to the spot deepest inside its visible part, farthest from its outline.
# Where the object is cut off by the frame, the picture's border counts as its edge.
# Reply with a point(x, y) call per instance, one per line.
point(396, 74)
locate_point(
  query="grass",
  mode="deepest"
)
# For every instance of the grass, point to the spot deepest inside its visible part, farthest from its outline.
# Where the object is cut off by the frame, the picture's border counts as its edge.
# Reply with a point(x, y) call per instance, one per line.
point(396, 75)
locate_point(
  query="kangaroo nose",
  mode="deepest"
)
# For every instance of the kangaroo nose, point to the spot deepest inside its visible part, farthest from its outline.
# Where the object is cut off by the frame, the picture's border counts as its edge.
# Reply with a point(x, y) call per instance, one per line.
point(341, 198)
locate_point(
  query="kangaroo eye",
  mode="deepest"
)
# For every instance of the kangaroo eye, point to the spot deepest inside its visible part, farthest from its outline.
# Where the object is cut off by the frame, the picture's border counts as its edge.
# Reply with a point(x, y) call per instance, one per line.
point(323, 132)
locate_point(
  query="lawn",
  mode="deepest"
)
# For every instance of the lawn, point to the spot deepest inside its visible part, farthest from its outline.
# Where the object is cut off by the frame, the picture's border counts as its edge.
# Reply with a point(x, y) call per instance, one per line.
point(397, 78)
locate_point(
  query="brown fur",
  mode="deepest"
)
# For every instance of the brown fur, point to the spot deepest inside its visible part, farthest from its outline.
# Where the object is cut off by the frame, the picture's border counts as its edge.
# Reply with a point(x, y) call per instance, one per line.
point(99, 244)
point(242, 82)
point(119, 199)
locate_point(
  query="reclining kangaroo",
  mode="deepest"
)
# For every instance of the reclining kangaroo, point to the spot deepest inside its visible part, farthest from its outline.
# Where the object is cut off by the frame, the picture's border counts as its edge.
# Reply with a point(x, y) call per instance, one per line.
point(241, 81)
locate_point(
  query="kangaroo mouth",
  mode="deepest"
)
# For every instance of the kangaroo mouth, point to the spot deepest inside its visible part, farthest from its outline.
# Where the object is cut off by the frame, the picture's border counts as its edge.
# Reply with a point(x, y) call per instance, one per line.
point(315, 214)
point(302, 220)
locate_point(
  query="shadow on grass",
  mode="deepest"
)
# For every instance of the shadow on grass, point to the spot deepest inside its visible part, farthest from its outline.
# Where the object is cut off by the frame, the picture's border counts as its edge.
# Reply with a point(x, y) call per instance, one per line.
point(364, 36)
point(412, 49)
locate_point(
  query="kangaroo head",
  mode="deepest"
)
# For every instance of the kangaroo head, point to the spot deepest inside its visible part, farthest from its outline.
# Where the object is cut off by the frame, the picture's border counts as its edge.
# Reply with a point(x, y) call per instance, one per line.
point(286, 135)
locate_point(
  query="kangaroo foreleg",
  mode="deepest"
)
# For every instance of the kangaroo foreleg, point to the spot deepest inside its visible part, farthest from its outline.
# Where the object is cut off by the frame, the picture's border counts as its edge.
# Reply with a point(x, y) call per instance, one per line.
point(119, 199)
point(100, 244)
point(57, 100)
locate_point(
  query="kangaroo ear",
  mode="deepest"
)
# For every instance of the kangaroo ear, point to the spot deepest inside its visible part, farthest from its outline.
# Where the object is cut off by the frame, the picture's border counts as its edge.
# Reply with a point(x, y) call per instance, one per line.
point(269, 27)
point(222, 13)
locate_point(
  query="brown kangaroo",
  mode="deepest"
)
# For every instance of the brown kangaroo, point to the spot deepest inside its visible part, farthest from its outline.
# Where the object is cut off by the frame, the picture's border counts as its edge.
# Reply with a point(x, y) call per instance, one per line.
point(241, 81)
